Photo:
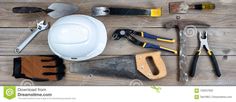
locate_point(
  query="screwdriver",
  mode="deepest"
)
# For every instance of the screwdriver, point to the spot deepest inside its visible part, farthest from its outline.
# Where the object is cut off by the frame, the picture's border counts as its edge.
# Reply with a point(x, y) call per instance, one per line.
point(202, 6)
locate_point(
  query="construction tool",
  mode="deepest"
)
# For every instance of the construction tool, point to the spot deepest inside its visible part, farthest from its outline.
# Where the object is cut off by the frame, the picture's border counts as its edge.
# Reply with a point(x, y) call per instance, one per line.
point(141, 66)
point(41, 26)
point(183, 7)
point(105, 11)
point(39, 68)
point(129, 35)
point(55, 10)
point(204, 45)
point(181, 25)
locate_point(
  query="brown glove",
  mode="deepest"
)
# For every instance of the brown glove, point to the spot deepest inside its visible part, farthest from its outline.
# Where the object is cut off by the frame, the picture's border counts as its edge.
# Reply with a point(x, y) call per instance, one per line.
point(39, 68)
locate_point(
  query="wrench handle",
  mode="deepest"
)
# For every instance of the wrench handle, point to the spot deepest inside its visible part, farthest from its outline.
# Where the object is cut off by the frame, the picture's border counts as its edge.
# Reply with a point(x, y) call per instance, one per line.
point(26, 41)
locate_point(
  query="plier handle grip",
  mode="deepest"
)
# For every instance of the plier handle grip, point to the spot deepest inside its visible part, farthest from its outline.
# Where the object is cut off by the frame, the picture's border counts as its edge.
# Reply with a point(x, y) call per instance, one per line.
point(204, 44)
point(129, 35)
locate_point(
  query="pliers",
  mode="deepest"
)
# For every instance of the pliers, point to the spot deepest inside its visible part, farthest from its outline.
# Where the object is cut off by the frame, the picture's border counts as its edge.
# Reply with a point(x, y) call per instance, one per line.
point(204, 44)
point(129, 35)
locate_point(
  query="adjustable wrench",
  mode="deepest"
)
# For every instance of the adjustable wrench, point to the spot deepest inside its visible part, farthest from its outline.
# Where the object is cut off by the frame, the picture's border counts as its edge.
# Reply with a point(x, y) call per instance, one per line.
point(41, 26)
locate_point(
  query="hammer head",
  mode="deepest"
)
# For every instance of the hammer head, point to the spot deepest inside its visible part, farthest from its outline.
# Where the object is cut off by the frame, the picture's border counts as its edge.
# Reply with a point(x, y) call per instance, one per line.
point(181, 24)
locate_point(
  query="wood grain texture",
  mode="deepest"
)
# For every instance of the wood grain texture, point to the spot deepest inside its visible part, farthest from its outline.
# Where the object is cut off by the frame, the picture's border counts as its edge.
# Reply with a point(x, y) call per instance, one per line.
point(220, 17)
point(15, 27)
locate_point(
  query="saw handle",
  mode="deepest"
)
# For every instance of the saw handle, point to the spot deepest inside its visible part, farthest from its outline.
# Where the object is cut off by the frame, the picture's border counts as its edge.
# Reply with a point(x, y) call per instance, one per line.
point(144, 68)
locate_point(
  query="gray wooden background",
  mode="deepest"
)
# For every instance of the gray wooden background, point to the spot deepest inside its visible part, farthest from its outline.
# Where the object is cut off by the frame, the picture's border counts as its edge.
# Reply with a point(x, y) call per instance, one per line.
point(14, 28)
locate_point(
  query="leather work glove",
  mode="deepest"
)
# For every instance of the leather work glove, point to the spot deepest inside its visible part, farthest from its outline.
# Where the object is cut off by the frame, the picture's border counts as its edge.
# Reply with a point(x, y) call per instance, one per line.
point(39, 68)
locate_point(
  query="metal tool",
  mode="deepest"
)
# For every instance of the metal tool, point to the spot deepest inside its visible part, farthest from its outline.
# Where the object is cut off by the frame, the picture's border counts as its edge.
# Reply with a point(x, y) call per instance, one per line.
point(55, 10)
point(129, 35)
point(41, 26)
point(204, 45)
point(141, 66)
point(183, 7)
point(104, 11)
point(181, 25)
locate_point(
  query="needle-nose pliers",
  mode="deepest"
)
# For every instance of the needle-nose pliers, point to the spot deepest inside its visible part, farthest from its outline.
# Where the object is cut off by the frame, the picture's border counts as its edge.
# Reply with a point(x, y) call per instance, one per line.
point(204, 44)
point(129, 35)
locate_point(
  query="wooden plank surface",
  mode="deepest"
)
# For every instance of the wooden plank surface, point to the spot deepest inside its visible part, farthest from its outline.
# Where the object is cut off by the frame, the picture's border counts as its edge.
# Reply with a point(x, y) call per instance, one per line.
point(223, 16)
point(15, 27)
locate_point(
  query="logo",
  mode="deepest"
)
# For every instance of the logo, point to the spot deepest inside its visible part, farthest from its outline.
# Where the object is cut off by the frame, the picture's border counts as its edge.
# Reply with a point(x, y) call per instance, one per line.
point(26, 82)
point(9, 92)
point(196, 93)
point(156, 88)
point(190, 31)
point(135, 82)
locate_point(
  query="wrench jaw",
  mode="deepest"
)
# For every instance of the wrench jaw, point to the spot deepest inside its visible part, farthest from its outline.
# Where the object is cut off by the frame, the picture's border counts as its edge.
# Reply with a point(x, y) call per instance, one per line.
point(42, 25)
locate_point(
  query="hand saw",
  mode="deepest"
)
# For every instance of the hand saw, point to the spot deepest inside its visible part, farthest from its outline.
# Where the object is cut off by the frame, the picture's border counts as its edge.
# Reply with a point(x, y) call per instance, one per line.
point(132, 67)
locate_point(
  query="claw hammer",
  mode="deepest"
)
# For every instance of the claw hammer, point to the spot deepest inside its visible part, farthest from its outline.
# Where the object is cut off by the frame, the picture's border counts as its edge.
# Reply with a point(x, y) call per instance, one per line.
point(181, 25)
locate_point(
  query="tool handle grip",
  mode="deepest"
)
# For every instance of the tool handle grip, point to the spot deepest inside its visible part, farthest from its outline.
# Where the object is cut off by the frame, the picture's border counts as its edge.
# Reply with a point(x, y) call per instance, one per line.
point(150, 36)
point(204, 6)
point(127, 11)
point(194, 64)
point(215, 64)
point(149, 45)
point(27, 10)
point(26, 41)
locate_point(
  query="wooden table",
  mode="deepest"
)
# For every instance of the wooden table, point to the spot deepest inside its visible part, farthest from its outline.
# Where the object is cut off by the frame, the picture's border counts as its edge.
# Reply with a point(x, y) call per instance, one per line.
point(15, 27)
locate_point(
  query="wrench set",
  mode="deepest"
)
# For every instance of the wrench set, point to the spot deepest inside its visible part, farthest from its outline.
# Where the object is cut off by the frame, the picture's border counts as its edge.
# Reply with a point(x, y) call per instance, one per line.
point(129, 34)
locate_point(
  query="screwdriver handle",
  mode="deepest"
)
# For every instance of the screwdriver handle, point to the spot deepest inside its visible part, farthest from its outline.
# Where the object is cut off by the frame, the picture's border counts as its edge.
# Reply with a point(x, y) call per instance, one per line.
point(203, 6)
point(214, 63)
point(194, 64)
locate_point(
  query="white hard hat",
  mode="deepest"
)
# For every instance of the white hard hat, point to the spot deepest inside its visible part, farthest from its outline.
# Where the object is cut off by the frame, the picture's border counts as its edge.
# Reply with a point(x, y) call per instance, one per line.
point(77, 37)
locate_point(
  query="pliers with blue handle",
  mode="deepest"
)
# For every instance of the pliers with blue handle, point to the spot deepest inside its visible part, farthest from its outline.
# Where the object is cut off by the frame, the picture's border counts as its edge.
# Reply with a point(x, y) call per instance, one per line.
point(129, 35)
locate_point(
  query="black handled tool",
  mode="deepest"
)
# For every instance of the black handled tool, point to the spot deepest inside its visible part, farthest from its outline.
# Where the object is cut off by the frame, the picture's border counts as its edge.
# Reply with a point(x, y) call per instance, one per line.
point(129, 35)
point(55, 10)
point(204, 44)
point(104, 11)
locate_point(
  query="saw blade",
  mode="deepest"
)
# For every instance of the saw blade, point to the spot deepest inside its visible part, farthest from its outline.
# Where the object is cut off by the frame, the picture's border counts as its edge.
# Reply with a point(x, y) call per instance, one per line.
point(118, 67)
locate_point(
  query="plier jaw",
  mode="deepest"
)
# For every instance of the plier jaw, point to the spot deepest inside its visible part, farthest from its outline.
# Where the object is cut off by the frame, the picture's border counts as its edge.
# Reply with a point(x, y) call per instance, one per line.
point(119, 33)
point(203, 41)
